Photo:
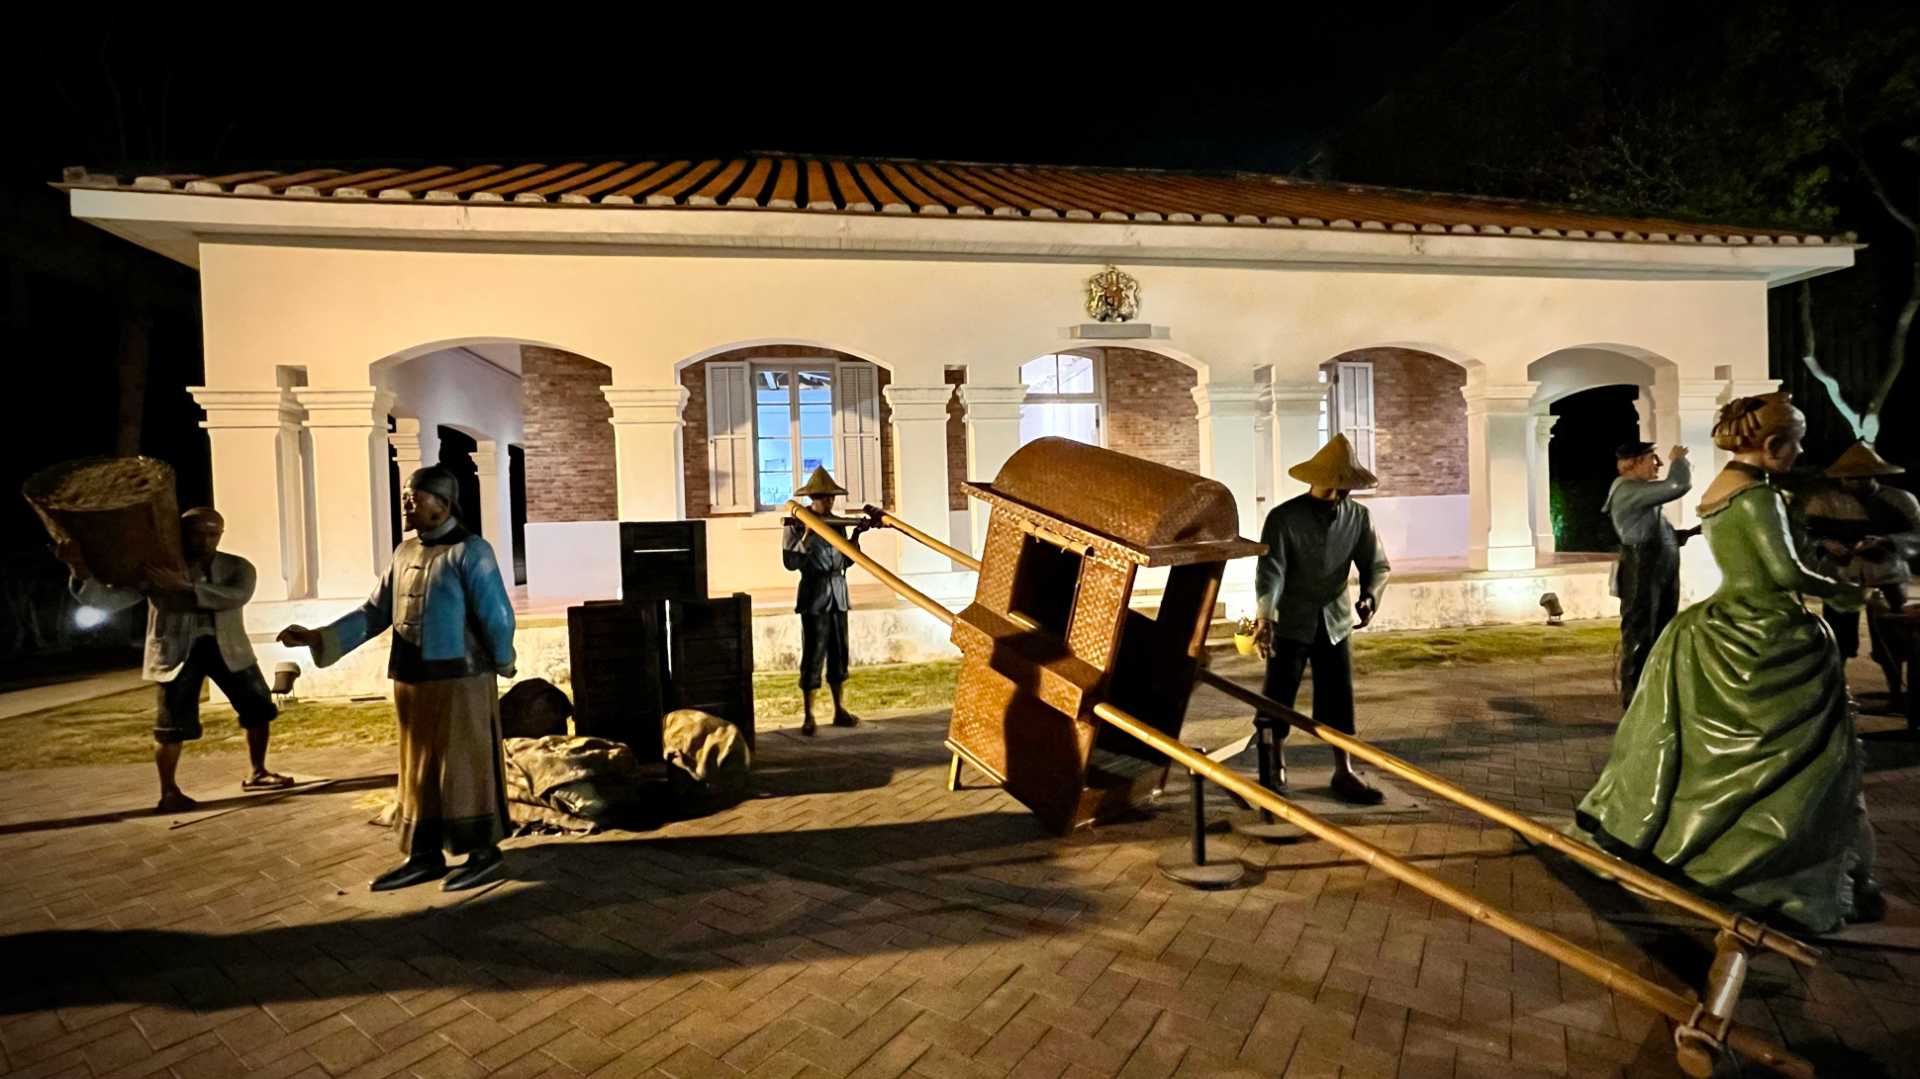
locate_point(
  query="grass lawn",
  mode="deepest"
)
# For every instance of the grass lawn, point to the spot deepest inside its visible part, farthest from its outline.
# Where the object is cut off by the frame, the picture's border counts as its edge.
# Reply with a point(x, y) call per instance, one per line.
point(118, 729)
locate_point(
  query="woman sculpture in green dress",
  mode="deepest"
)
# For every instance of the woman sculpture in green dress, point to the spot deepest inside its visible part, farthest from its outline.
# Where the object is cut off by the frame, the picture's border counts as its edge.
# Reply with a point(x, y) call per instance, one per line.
point(1736, 768)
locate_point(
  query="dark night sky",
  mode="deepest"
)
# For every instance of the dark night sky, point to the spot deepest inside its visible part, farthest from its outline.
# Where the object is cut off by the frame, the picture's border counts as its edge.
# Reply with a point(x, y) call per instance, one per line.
point(129, 97)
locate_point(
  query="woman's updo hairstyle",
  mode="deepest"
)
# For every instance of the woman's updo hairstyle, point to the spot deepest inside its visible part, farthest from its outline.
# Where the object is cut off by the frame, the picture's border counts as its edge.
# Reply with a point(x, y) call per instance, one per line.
point(1746, 423)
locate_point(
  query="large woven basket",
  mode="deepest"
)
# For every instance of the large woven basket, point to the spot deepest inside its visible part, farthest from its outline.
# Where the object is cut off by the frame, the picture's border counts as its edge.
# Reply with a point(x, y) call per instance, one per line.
point(121, 511)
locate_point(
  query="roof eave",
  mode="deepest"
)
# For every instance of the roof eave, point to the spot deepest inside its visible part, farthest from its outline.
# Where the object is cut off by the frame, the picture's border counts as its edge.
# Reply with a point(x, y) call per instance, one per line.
point(175, 225)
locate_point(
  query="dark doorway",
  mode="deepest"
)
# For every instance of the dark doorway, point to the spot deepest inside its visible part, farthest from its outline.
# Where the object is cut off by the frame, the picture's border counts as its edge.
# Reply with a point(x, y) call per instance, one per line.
point(1580, 464)
point(394, 480)
point(517, 496)
point(456, 455)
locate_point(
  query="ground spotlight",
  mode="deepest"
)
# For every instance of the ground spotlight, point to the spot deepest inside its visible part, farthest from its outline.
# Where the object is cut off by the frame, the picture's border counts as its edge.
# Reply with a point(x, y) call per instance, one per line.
point(89, 617)
point(1554, 612)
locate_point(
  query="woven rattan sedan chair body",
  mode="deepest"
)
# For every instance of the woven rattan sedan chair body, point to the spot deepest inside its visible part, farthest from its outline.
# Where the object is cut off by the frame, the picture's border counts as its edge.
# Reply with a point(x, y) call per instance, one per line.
point(1050, 633)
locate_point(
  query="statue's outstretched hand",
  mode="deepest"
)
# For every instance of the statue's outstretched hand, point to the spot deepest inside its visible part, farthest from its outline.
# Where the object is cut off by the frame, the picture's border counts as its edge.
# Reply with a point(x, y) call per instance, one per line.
point(299, 637)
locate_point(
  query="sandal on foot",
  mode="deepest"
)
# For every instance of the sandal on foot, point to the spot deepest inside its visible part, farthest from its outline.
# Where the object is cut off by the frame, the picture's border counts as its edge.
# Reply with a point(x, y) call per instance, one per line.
point(807, 727)
point(845, 719)
point(266, 781)
point(176, 802)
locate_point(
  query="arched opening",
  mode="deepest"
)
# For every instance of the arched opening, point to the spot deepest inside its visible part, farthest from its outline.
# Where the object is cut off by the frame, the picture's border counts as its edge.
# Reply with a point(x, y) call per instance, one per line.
point(759, 418)
point(1126, 399)
point(1587, 426)
point(1403, 411)
point(1589, 400)
point(525, 428)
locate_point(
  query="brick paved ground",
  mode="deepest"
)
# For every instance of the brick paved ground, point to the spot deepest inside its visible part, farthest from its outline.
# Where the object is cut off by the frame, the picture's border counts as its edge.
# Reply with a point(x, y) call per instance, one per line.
point(861, 921)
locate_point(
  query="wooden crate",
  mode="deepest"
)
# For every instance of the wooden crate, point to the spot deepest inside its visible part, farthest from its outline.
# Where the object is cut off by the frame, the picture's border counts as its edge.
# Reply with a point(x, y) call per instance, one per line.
point(712, 658)
point(663, 560)
point(620, 686)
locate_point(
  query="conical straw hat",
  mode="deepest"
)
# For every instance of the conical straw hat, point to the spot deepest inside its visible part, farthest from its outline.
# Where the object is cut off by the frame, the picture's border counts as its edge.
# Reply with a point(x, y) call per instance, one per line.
point(1860, 460)
point(820, 483)
point(1336, 466)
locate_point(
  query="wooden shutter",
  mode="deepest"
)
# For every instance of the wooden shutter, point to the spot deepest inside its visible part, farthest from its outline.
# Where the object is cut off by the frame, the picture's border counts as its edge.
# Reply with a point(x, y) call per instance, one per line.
point(730, 472)
point(1353, 394)
point(856, 429)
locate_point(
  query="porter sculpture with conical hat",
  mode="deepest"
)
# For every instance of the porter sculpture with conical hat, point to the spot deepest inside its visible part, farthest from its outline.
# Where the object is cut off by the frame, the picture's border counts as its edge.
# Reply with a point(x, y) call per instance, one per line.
point(1868, 533)
point(822, 600)
point(1302, 614)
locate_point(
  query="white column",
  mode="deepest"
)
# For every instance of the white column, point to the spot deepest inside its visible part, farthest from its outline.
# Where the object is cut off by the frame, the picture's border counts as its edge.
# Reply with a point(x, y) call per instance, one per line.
point(405, 440)
point(1643, 408)
point(1295, 436)
point(1698, 402)
point(920, 470)
point(496, 511)
point(1263, 452)
point(1499, 533)
point(351, 493)
point(1543, 540)
point(647, 453)
point(254, 435)
point(1228, 412)
point(993, 433)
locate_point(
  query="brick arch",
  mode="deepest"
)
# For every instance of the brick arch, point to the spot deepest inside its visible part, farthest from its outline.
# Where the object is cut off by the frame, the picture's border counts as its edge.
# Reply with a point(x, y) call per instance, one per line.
point(1150, 408)
point(693, 431)
point(570, 463)
point(1420, 420)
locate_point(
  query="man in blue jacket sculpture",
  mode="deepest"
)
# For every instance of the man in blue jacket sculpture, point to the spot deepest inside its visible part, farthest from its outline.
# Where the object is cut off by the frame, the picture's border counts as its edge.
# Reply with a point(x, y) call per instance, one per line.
point(452, 637)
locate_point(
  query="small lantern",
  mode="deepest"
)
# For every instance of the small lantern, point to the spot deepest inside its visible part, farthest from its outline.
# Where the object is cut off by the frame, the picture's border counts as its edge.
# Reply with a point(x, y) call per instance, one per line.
point(1554, 612)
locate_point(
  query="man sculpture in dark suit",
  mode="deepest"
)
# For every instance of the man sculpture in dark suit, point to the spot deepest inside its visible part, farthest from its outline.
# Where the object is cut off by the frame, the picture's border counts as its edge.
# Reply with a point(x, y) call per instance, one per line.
point(822, 600)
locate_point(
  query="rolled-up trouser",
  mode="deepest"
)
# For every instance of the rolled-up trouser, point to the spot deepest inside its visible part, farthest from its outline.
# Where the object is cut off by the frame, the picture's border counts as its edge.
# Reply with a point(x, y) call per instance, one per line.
point(1332, 678)
point(823, 642)
point(1649, 598)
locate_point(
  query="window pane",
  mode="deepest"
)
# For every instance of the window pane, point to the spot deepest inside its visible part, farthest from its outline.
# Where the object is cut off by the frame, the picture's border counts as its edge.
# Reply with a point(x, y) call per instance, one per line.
point(775, 488)
point(816, 420)
point(770, 385)
point(776, 421)
point(816, 453)
point(776, 454)
point(1041, 375)
point(1075, 421)
point(1076, 374)
point(816, 386)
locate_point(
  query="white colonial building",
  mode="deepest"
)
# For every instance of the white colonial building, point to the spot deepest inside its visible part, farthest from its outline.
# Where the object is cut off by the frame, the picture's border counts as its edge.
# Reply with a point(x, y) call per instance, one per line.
point(666, 339)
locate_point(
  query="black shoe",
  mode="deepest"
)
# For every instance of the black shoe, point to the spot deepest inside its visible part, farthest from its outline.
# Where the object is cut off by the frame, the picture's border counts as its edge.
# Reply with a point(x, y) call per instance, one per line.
point(409, 873)
point(807, 727)
point(480, 867)
point(844, 718)
point(1353, 790)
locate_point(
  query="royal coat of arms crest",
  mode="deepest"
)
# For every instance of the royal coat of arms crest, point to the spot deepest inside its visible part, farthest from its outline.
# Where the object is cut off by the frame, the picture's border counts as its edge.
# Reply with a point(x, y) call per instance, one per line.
point(1113, 296)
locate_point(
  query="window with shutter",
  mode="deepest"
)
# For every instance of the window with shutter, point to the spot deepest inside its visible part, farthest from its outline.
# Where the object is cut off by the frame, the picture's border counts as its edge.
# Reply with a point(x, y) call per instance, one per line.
point(730, 471)
point(857, 428)
point(1353, 407)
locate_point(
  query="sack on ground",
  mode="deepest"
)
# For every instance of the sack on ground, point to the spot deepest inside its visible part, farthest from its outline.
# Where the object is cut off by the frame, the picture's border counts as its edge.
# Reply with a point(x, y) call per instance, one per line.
point(535, 708)
point(708, 763)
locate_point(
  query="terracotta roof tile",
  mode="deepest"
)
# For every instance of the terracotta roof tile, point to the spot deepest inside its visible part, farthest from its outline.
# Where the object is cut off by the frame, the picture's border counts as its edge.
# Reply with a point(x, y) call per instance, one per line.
point(782, 182)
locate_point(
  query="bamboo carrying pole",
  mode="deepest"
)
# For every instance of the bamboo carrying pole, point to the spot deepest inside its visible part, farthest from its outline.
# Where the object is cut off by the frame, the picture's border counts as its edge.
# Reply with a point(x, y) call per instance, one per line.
point(1687, 1011)
point(860, 558)
point(1592, 857)
point(1681, 1009)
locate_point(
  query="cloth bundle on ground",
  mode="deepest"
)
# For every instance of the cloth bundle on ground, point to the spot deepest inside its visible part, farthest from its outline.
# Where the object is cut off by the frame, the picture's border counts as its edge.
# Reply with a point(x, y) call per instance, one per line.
point(709, 765)
point(534, 708)
point(577, 784)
